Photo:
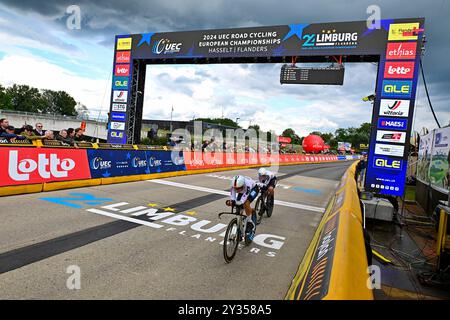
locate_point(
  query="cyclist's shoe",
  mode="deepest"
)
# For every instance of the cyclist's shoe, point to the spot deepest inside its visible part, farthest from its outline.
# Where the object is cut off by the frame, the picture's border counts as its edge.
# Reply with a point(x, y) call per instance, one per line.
point(250, 226)
point(251, 235)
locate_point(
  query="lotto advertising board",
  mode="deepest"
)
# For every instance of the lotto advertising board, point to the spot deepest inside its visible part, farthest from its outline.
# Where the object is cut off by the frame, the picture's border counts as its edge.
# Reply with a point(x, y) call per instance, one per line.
point(19, 166)
point(394, 108)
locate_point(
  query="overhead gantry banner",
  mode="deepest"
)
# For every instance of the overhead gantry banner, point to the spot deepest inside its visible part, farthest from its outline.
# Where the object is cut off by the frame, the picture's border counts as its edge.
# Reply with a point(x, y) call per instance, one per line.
point(396, 45)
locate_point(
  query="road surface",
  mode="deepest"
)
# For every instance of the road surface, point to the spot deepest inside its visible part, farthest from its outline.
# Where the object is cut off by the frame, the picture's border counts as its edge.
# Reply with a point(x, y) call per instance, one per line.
point(157, 239)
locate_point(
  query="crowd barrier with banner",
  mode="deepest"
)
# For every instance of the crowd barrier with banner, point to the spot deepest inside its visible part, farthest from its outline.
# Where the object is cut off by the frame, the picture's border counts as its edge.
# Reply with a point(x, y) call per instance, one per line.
point(335, 266)
point(38, 169)
point(433, 168)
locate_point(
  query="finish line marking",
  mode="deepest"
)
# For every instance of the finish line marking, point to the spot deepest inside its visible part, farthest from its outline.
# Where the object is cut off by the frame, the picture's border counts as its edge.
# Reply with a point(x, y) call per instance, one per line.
point(225, 193)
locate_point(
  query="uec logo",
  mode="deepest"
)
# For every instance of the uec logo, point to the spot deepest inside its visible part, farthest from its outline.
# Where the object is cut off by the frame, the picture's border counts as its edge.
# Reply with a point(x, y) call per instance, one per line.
point(155, 162)
point(99, 163)
point(138, 163)
point(165, 46)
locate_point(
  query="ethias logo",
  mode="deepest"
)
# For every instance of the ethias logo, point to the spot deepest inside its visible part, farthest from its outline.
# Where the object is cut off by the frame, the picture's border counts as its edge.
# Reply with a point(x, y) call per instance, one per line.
point(165, 46)
point(401, 50)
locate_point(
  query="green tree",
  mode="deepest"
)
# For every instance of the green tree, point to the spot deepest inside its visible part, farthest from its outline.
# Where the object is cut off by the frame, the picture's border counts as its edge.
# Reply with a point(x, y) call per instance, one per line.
point(223, 122)
point(58, 102)
point(25, 98)
point(327, 137)
point(295, 139)
point(355, 136)
point(5, 99)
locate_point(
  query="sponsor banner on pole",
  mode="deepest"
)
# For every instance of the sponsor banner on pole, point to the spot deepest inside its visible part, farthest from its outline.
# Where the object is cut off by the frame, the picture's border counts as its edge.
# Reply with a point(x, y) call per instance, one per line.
point(401, 50)
point(391, 136)
point(119, 107)
point(389, 150)
point(392, 123)
point(20, 166)
point(394, 108)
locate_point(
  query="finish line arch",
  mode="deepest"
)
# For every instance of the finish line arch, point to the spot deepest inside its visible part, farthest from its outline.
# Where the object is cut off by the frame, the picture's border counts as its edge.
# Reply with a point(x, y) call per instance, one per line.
point(395, 46)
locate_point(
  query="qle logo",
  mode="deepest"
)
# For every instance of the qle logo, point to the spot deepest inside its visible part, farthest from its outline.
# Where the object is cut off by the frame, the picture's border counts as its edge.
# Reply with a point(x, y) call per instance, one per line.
point(47, 168)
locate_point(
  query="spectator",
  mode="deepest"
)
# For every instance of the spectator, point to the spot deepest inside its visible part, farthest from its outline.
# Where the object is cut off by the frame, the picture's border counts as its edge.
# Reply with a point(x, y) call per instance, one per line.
point(48, 135)
point(63, 137)
point(4, 123)
point(71, 133)
point(28, 133)
point(10, 135)
point(79, 135)
point(39, 131)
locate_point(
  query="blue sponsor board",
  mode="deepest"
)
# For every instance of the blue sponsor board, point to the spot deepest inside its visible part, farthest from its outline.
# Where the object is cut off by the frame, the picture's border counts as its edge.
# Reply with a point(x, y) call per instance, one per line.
point(118, 116)
point(396, 88)
point(120, 83)
point(117, 137)
point(392, 123)
point(116, 163)
point(161, 161)
point(342, 157)
point(386, 175)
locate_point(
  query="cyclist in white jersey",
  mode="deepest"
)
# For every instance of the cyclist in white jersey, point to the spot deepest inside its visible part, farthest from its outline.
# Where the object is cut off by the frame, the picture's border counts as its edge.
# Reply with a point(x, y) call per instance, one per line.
point(243, 191)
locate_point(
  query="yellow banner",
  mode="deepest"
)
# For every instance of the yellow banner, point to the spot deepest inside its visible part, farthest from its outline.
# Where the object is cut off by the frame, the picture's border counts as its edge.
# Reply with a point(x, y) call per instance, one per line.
point(124, 44)
point(403, 31)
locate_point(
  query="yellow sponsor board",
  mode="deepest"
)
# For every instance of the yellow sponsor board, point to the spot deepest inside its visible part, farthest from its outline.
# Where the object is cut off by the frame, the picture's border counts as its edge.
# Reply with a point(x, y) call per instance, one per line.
point(403, 31)
point(124, 44)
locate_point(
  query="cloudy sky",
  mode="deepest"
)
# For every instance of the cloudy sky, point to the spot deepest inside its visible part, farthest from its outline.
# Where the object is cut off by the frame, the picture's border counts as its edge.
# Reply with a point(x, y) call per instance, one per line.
point(39, 50)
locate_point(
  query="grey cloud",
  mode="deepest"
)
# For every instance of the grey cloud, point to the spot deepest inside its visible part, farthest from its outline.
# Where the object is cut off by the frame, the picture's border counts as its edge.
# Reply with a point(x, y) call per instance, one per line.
point(103, 19)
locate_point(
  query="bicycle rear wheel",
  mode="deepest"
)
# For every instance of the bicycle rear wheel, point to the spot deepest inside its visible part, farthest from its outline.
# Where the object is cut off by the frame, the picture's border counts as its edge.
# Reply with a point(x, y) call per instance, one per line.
point(231, 241)
point(269, 206)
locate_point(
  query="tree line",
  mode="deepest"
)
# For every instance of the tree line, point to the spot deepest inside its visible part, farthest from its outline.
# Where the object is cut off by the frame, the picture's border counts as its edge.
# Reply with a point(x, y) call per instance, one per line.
point(29, 99)
point(355, 136)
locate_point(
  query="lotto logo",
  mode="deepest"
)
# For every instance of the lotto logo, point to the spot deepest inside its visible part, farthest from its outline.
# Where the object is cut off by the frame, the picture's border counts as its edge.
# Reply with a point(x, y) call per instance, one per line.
point(122, 70)
point(399, 70)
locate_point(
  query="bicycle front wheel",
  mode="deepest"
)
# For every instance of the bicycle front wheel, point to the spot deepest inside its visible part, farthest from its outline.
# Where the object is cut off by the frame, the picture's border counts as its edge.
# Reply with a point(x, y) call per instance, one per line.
point(231, 241)
point(259, 209)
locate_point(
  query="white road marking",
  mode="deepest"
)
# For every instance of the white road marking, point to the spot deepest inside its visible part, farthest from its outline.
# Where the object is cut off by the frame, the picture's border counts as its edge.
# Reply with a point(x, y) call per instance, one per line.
point(225, 193)
point(120, 217)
